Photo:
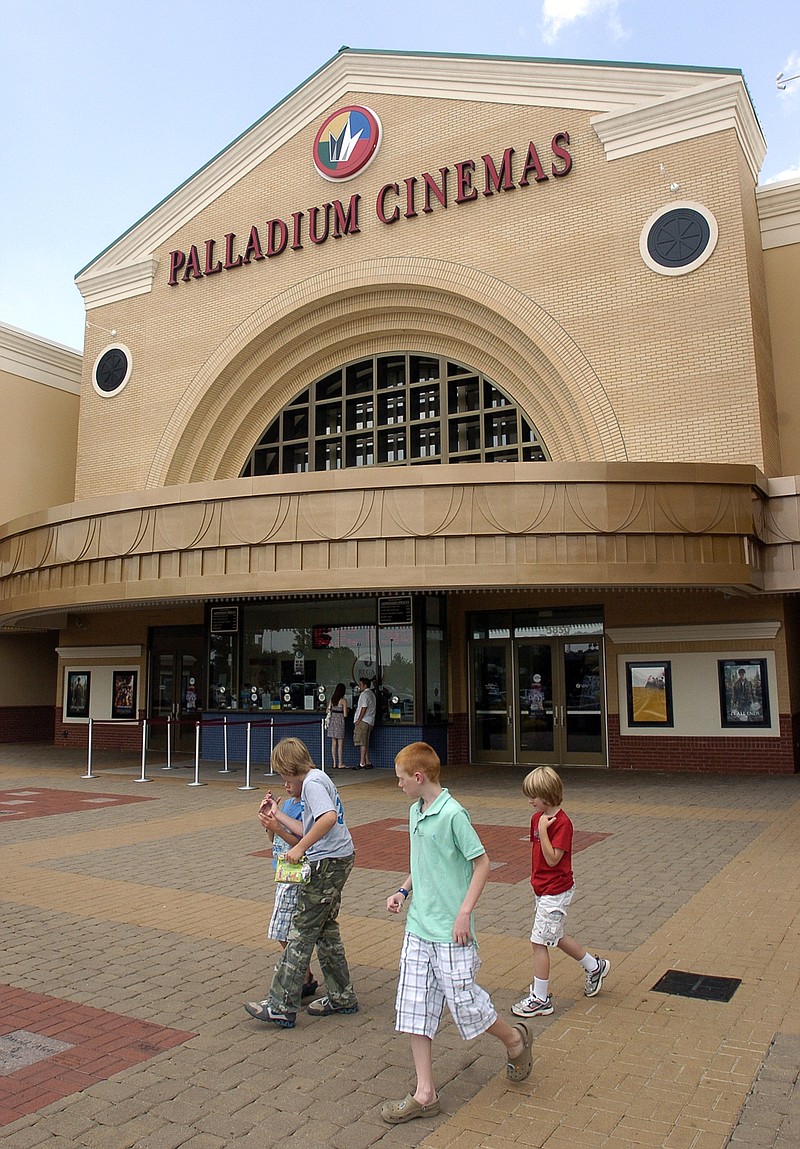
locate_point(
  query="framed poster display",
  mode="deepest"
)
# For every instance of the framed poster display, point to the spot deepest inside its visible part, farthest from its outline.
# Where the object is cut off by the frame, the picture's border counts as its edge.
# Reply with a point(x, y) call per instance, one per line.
point(649, 692)
point(743, 692)
point(79, 684)
point(123, 694)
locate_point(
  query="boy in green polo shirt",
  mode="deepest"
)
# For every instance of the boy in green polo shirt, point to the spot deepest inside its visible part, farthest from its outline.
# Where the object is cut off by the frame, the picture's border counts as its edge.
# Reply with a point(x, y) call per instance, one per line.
point(439, 960)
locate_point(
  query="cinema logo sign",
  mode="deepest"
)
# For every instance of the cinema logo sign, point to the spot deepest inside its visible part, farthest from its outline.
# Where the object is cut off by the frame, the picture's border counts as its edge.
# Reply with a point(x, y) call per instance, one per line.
point(467, 181)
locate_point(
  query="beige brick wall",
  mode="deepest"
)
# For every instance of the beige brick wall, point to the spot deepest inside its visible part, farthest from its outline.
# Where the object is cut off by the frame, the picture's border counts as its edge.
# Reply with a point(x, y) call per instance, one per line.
point(681, 362)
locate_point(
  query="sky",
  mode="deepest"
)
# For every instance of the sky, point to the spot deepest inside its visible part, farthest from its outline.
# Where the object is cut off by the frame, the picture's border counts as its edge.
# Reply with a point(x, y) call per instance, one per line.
point(106, 107)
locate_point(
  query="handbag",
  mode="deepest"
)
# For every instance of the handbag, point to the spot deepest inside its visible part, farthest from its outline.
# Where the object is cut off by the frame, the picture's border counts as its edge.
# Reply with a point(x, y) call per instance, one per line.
point(293, 872)
point(327, 718)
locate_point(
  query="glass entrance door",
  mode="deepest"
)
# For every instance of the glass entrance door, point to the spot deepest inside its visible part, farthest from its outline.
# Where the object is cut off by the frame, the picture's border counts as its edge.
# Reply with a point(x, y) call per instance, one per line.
point(537, 711)
point(176, 687)
point(554, 712)
point(492, 731)
point(583, 723)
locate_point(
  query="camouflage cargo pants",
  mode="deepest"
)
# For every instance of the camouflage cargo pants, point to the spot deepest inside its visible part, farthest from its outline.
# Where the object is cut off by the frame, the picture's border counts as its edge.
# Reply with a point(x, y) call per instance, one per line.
point(315, 924)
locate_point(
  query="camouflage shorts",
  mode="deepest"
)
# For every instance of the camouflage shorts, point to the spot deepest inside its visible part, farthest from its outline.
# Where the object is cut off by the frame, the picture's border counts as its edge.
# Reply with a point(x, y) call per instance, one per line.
point(314, 924)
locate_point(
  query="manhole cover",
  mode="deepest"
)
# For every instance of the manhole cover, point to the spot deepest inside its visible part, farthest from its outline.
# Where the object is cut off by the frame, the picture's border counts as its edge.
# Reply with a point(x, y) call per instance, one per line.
point(699, 985)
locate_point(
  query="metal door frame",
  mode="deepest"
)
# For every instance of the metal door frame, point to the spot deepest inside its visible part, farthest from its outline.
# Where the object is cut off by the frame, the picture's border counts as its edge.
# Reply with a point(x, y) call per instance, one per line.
point(514, 755)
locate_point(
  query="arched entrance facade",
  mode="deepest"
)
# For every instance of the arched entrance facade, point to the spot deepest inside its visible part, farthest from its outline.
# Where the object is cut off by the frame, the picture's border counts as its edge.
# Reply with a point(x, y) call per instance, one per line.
point(456, 420)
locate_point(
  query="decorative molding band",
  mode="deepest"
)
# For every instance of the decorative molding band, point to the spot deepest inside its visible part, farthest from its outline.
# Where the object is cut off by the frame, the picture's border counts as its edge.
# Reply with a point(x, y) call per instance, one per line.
point(705, 632)
point(93, 653)
point(31, 357)
point(118, 283)
point(524, 525)
point(779, 211)
point(688, 115)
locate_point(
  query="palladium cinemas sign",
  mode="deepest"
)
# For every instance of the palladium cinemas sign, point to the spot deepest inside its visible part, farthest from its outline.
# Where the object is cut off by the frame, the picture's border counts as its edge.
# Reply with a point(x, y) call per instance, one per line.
point(465, 182)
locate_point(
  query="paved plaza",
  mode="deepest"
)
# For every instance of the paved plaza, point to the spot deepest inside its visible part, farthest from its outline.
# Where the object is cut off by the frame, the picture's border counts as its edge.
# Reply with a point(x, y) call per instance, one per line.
point(133, 928)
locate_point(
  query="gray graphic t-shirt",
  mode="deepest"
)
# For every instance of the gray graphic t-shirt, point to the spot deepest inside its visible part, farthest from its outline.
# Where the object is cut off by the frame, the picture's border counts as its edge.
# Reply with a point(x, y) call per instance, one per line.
point(319, 796)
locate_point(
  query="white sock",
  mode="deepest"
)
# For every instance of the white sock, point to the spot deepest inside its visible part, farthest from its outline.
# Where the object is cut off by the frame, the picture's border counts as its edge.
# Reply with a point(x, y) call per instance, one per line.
point(540, 988)
point(590, 962)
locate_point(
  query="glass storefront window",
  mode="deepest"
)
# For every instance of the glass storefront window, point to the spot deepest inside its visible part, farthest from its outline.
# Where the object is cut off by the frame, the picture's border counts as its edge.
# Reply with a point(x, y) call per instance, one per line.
point(293, 655)
point(222, 684)
point(290, 656)
point(396, 692)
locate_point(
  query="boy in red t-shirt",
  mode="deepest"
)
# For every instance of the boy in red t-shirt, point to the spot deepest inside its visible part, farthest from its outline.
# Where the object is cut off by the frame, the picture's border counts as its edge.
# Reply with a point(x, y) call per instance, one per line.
point(554, 887)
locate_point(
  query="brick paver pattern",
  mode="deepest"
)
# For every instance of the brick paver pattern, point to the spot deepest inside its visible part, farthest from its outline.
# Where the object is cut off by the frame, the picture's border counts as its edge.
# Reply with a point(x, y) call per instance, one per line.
point(154, 915)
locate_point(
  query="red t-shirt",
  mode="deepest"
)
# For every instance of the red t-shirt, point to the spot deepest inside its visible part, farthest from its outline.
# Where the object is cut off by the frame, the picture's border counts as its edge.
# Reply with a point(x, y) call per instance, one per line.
point(547, 879)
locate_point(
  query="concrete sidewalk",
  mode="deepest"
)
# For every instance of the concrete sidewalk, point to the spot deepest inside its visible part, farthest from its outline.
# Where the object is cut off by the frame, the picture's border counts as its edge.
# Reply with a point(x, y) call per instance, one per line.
point(134, 920)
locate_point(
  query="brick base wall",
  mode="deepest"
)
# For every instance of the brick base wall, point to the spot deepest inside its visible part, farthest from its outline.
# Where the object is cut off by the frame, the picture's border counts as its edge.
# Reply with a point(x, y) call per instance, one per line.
point(27, 723)
point(105, 735)
point(458, 740)
point(638, 752)
point(723, 755)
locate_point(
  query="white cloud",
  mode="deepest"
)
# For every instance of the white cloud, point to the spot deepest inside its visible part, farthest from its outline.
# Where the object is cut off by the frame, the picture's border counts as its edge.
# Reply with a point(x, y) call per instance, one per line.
point(791, 68)
point(557, 14)
point(787, 174)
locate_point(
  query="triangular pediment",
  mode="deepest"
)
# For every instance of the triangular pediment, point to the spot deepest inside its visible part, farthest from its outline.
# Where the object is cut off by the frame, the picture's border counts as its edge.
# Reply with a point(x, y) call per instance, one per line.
point(636, 108)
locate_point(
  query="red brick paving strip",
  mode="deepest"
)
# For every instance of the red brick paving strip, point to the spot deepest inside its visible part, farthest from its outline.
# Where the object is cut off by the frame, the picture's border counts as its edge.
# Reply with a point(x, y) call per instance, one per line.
point(102, 1044)
point(26, 802)
point(384, 846)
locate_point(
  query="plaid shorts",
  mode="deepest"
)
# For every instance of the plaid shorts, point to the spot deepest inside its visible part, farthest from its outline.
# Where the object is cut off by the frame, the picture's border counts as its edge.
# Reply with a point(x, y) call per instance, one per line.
point(283, 910)
point(432, 973)
point(550, 915)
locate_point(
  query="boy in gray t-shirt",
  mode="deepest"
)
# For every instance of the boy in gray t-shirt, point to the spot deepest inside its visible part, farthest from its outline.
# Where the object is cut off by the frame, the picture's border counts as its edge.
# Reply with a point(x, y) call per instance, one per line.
point(328, 846)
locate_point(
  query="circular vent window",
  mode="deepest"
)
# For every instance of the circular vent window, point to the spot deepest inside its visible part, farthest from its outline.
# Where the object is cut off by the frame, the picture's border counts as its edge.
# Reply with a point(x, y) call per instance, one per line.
point(112, 370)
point(678, 239)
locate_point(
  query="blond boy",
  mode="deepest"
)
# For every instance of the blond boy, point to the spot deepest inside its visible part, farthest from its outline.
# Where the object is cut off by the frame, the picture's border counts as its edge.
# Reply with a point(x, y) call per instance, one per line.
point(328, 846)
point(554, 887)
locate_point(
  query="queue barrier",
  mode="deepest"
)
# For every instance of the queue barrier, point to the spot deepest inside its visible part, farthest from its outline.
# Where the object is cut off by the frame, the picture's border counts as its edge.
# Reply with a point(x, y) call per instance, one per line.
point(169, 722)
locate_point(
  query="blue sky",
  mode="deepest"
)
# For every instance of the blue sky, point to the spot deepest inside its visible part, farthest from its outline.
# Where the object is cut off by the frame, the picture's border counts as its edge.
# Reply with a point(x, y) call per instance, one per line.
point(108, 106)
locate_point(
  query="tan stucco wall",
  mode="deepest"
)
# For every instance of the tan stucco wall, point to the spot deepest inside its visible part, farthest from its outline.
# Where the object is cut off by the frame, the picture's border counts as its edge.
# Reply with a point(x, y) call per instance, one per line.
point(27, 670)
point(37, 445)
point(543, 288)
point(782, 269)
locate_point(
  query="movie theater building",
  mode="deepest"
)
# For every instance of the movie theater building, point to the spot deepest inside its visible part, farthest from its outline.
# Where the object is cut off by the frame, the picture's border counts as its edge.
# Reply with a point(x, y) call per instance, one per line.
point(475, 376)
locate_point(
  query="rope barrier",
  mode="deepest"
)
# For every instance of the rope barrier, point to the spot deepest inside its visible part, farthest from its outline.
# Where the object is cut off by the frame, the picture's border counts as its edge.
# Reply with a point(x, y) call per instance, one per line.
point(171, 723)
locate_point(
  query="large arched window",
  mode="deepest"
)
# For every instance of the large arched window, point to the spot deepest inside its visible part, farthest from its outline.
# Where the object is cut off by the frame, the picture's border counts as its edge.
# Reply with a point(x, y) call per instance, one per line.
point(391, 410)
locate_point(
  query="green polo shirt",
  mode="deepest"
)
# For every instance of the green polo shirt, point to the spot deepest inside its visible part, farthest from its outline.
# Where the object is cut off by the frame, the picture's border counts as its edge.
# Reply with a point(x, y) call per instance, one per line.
point(444, 845)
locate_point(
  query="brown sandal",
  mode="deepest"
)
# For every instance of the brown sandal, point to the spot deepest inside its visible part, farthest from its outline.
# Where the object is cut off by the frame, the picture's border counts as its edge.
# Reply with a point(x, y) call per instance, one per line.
point(398, 1112)
point(519, 1067)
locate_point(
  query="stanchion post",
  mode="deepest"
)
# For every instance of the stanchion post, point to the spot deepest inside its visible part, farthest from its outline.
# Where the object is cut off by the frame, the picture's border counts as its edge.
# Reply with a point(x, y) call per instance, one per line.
point(197, 781)
point(225, 769)
point(144, 777)
point(247, 785)
point(89, 773)
point(322, 744)
point(169, 744)
point(271, 772)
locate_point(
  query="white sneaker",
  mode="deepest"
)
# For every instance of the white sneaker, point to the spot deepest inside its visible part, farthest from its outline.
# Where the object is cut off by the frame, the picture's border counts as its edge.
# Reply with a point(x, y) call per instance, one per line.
point(594, 980)
point(532, 1006)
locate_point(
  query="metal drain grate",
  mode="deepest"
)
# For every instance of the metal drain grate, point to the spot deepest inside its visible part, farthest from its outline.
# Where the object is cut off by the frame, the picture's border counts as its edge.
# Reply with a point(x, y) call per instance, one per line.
point(698, 985)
